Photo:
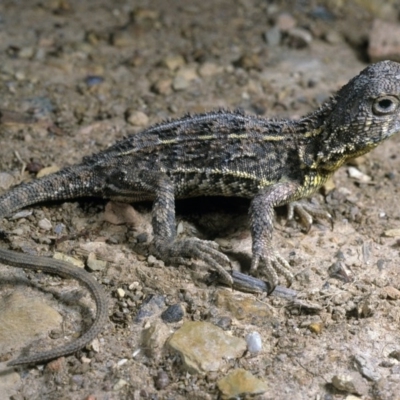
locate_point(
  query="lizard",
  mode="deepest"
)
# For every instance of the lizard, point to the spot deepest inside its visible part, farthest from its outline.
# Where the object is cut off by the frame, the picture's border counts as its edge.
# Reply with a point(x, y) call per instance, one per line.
point(273, 162)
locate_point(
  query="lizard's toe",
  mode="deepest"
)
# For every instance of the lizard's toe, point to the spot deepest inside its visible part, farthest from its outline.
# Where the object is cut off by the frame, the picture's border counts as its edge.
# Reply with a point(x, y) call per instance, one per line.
point(182, 251)
point(272, 264)
point(307, 212)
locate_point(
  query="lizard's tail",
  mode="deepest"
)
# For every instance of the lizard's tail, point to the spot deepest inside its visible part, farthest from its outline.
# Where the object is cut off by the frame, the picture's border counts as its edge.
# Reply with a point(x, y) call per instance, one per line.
point(66, 184)
point(65, 270)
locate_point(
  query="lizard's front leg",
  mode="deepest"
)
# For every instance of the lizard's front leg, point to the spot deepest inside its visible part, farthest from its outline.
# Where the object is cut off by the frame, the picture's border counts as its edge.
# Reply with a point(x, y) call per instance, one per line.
point(165, 244)
point(262, 219)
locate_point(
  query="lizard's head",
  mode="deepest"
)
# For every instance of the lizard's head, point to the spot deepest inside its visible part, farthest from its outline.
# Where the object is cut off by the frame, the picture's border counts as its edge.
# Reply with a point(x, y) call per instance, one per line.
point(365, 112)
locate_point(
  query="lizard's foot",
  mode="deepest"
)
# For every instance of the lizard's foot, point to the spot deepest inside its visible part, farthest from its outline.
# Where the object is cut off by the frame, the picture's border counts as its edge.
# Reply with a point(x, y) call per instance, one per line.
point(306, 211)
point(273, 263)
point(181, 251)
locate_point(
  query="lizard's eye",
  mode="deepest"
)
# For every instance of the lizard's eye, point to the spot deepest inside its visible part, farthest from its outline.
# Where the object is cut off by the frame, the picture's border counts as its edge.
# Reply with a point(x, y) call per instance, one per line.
point(385, 105)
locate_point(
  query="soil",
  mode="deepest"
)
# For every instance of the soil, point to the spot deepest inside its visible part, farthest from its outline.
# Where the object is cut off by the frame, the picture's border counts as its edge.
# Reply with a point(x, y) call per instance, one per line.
point(78, 75)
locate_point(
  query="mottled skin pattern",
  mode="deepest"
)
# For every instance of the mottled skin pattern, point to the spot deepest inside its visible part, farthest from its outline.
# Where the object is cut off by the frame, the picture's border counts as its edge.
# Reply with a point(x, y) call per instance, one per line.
point(272, 162)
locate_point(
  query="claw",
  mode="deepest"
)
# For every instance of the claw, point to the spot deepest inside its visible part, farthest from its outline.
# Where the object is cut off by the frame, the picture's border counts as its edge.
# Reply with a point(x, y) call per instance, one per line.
point(181, 251)
point(306, 211)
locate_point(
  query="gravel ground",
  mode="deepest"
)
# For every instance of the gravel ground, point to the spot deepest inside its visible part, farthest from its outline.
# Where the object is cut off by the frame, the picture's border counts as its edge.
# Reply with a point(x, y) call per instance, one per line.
point(77, 75)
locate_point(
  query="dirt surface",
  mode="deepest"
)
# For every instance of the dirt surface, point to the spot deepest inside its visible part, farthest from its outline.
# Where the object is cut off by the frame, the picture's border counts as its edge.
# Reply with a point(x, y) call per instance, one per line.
point(77, 75)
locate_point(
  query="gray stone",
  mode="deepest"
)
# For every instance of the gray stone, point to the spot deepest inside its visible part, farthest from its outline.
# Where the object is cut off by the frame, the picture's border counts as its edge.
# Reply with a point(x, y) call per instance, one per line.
point(254, 342)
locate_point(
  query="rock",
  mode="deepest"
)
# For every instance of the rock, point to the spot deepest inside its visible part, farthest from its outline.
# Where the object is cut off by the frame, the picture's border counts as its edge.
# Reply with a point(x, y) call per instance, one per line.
point(254, 342)
point(384, 41)
point(136, 118)
point(74, 261)
point(174, 313)
point(366, 366)
point(45, 224)
point(390, 293)
point(122, 39)
point(242, 306)
point(240, 383)
point(155, 262)
point(392, 233)
point(351, 382)
point(249, 61)
point(154, 337)
point(333, 37)
point(153, 304)
point(10, 382)
point(316, 327)
point(119, 384)
point(357, 174)
point(208, 69)
point(26, 52)
point(162, 86)
point(205, 347)
point(121, 213)
point(23, 317)
point(120, 293)
point(47, 171)
point(6, 180)
point(161, 381)
point(174, 62)
point(273, 36)
point(94, 264)
point(285, 22)
point(299, 38)
point(395, 354)
point(184, 77)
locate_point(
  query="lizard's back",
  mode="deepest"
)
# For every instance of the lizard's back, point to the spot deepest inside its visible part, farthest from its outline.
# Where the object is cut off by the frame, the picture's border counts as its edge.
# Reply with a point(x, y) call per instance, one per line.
point(219, 153)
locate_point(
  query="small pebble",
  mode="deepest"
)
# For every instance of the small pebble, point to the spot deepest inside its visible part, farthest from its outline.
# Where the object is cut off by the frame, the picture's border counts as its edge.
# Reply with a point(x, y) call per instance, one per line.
point(154, 262)
point(273, 36)
point(93, 80)
point(174, 62)
point(45, 224)
point(74, 261)
point(122, 362)
point(59, 228)
point(351, 382)
point(183, 78)
point(299, 38)
point(254, 342)
point(47, 171)
point(21, 214)
point(391, 293)
point(392, 232)
point(153, 304)
point(209, 69)
point(285, 22)
point(162, 86)
point(121, 293)
point(173, 313)
point(357, 174)
point(161, 381)
point(224, 323)
point(120, 384)
point(6, 180)
point(94, 264)
point(315, 327)
point(95, 345)
point(136, 118)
